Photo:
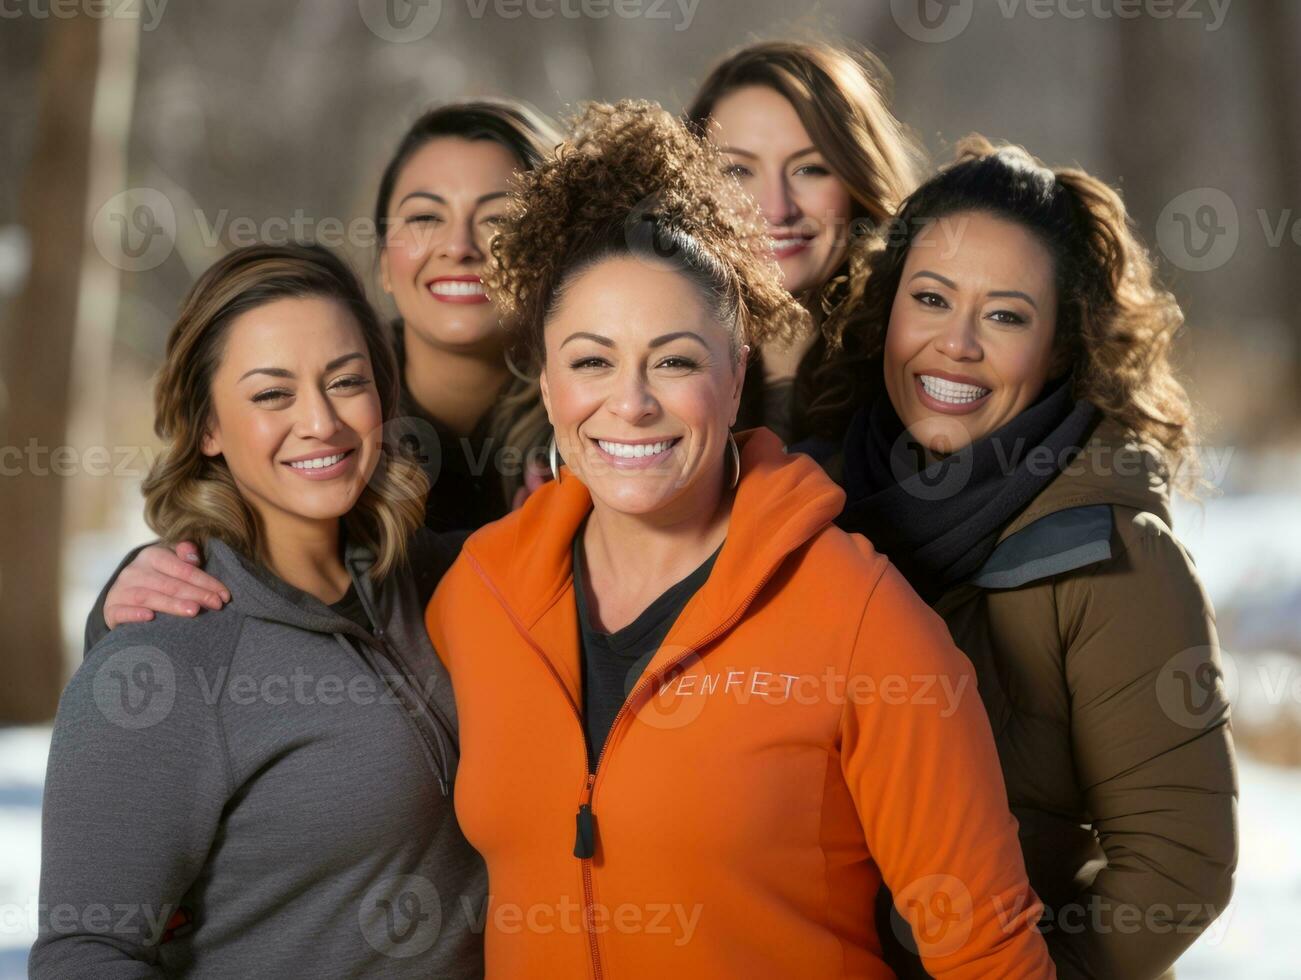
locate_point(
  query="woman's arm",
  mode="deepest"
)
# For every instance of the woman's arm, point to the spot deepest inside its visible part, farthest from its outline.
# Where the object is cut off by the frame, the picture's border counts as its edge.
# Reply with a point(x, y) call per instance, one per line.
point(134, 791)
point(1154, 756)
point(919, 757)
point(153, 579)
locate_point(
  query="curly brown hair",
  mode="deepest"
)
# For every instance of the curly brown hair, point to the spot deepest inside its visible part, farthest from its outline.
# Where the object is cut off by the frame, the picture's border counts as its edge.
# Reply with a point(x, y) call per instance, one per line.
point(631, 179)
point(1115, 322)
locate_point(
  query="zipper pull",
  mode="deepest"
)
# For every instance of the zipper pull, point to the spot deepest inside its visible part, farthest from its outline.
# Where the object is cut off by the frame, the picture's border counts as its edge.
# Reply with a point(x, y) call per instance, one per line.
point(585, 841)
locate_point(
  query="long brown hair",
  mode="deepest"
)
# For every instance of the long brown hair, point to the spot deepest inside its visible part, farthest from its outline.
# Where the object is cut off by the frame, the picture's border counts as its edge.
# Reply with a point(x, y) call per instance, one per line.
point(518, 421)
point(192, 496)
point(1115, 322)
point(841, 95)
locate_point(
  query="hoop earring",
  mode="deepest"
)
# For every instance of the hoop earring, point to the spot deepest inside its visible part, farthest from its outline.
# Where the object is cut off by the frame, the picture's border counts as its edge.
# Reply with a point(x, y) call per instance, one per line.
point(736, 459)
point(551, 458)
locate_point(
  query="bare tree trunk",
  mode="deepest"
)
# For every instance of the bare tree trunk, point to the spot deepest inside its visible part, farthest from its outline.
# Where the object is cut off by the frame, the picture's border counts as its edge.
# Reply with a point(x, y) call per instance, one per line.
point(36, 365)
point(1274, 27)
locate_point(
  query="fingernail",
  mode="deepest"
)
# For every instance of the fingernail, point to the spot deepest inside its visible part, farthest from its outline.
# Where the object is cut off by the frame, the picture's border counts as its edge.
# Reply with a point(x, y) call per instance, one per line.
point(192, 559)
point(225, 596)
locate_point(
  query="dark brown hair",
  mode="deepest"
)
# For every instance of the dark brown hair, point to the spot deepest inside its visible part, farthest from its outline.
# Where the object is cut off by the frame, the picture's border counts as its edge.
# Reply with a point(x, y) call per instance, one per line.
point(1115, 323)
point(518, 420)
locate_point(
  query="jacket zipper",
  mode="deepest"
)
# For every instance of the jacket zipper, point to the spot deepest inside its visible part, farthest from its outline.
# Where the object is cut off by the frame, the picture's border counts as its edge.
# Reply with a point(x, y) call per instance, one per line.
point(585, 820)
point(439, 746)
point(589, 894)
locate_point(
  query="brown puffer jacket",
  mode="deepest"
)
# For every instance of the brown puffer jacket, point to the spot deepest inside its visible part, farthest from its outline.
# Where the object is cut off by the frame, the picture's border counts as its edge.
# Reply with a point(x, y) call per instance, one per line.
point(1096, 653)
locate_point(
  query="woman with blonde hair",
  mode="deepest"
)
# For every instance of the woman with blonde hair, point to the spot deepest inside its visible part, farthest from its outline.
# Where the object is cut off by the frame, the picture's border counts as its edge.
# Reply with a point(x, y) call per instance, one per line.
point(806, 128)
point(265, 790)
point(700, 724)
point(1014, 459)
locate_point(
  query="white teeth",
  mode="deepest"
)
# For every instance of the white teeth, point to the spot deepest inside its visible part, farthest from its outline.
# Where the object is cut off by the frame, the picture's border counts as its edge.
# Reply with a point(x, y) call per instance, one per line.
point(318, 464)
point(953, 392)
point(631, 451)
point(453, 288)
point(789, 244)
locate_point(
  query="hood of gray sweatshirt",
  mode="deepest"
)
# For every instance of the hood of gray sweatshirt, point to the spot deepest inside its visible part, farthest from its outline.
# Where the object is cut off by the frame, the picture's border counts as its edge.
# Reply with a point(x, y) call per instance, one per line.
point(262, 790)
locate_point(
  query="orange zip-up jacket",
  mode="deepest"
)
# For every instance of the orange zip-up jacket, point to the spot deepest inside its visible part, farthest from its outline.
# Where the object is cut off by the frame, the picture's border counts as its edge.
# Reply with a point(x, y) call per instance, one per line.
point(807, 729)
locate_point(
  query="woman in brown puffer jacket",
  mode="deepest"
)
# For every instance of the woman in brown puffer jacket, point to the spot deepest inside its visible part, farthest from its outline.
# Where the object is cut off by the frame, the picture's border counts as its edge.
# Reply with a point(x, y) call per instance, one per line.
point(1015, 463)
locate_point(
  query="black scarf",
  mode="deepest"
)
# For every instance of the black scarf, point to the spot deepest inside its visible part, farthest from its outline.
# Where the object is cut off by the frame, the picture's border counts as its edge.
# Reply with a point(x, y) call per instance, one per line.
point(939, 524)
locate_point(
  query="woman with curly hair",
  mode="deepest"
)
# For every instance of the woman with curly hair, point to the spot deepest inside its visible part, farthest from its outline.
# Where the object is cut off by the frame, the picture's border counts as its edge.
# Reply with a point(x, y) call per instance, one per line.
point(700, 724)
point(807, 130)
point(1014, 461)
point(477, 429)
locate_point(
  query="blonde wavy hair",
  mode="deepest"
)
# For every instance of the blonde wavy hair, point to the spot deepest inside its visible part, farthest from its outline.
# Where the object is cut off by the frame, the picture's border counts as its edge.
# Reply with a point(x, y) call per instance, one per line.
point(1115, 323)
point(193, 497)
point(632, 179)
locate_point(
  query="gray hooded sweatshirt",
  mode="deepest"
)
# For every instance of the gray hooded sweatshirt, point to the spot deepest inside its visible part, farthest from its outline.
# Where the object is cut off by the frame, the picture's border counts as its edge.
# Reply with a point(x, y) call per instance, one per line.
point(262, 791)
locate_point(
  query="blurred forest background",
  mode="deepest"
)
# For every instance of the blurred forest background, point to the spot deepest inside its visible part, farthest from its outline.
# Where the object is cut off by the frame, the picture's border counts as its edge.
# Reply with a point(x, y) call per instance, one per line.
point(142, 138)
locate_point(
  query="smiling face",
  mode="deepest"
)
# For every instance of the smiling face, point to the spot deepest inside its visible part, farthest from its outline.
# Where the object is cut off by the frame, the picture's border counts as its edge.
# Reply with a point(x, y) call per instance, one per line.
point(641, 384)
point(295, 412)
point(806, 207)
point(446, 205)
point(970, 340)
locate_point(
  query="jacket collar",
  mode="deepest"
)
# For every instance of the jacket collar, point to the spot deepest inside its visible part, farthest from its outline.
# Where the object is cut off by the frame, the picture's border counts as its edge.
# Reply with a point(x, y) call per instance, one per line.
point(1069, 525)
point(256, 591)
point(781, 503)
point(1112, 468)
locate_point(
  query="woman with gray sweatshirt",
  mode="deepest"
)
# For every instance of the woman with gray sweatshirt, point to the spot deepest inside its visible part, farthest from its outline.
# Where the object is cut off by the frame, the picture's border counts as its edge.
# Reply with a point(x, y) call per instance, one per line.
point(265, 791)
